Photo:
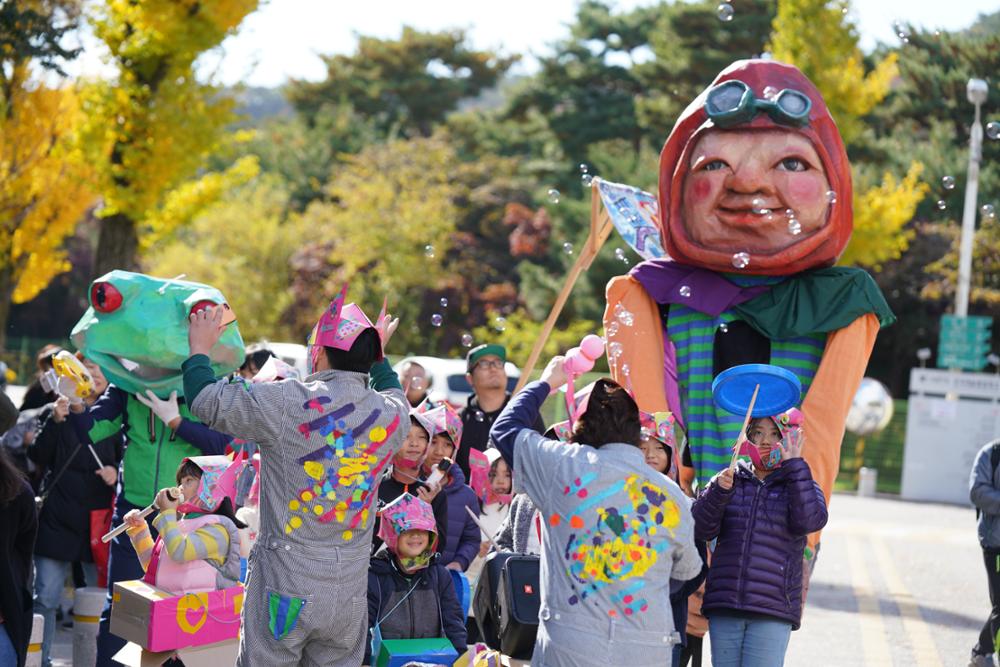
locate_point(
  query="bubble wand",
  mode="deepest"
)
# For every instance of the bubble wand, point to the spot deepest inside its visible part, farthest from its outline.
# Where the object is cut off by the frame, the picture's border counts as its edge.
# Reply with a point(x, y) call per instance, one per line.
point(115, 532)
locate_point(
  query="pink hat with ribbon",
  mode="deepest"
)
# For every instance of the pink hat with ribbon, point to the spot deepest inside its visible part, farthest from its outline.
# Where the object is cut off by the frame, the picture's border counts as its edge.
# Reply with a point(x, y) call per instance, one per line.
point(659, 425)
point(218, 481)
point(407, 512)
point(340, 325)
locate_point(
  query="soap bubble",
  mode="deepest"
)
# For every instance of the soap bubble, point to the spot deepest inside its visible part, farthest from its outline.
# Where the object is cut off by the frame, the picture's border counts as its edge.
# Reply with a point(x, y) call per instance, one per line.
point(429, 251)
point(611, 329)
point(724, 328)
point(948, 182)
point(417, 383)
point(614, 350)
point(724, 12)
point(620, 255)
point(988, 211)
point(759, 206)
point(553, 195)
point(794, 227)
point(685, 291)
point(587, 180)
point(789, 213)
point(831, 196)
point(626, 369)
point(466, 340)
point(770, 92)
point(436, 320)
point(500, 323)
point(626, 317)
point(568, 248)
point(444, 302)
point(479, 415)
point(993, 130)
point(584, 168)
point(741, 260)
point(942, 204)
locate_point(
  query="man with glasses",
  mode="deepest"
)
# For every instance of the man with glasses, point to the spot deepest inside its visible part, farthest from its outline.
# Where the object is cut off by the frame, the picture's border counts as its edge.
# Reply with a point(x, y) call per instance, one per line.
point(485, 373)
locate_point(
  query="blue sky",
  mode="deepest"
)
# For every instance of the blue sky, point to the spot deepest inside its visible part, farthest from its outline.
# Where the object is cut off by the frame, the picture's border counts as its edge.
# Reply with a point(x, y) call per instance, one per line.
point(284, 38)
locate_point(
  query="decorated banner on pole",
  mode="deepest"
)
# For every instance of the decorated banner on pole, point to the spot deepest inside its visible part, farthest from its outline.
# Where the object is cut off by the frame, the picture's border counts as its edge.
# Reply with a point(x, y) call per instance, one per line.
point(634, 213)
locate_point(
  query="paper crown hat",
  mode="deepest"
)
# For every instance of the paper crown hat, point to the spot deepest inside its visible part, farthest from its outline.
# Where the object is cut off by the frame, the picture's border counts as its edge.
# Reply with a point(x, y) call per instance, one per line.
point(439, 419)
point(405, 513)
point(340, 325)
point(659, 425)
point(218, 481)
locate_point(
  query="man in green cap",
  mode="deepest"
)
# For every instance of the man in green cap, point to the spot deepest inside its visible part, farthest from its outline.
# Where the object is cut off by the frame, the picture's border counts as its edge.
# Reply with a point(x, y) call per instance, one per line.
point(488, 379)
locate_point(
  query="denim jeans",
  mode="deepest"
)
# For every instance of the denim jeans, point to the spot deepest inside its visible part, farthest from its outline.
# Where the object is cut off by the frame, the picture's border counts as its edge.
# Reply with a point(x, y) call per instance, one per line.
point(50, 578)
point(8, 656)
point(748, 642)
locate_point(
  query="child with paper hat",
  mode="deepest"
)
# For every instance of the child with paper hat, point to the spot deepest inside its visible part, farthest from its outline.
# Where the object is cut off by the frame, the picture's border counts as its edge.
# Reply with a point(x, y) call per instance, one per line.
point(462, 538)
point(325, 442)
point(192, 554)
point(761, 514)
point(404, 476)
point(410, 595)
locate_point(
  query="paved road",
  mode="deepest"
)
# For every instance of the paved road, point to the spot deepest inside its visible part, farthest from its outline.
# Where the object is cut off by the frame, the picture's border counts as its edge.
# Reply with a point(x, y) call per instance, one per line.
point(897, 584)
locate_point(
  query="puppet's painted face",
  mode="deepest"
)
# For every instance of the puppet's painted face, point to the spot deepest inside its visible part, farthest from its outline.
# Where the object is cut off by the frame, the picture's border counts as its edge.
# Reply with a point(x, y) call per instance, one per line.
point(729, 170)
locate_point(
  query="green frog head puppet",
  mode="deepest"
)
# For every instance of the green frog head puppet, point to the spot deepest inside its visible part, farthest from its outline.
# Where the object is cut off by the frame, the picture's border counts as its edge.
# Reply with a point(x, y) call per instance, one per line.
point(136, 330)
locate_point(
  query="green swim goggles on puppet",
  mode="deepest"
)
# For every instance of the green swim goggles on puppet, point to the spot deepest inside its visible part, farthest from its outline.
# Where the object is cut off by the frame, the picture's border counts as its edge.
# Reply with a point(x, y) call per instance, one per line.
point(733, 103)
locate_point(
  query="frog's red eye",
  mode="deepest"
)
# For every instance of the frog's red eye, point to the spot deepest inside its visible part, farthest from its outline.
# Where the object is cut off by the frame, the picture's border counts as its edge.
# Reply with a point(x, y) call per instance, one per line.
point(202, 305)
point(105, 297)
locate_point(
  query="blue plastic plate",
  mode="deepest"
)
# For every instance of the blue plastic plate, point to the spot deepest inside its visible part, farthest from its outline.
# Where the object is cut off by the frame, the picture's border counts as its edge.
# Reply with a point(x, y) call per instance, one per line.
point(780, 389)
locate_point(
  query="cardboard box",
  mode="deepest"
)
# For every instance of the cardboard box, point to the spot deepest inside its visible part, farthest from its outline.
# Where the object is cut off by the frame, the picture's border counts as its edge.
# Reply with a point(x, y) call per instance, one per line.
point(158, 620)
point(211, 655)
point(433, 651)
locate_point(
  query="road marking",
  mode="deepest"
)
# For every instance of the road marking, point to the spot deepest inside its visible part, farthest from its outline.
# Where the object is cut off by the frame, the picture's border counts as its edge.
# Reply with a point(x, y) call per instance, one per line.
point(921, 642)
point(874, 640)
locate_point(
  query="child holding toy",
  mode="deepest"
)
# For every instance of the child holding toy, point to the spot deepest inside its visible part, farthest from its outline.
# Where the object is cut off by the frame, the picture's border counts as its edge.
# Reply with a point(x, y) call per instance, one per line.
point(411, 595)
point(191, 555)
point(761, 514)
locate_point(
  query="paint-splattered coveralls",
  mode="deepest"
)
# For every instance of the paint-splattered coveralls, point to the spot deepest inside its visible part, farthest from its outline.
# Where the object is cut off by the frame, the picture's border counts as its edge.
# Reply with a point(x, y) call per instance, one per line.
point(614, 533)
point(324, 443)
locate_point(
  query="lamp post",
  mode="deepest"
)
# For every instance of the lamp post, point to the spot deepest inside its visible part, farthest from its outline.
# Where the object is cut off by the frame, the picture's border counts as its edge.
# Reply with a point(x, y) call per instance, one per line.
point(976, 90)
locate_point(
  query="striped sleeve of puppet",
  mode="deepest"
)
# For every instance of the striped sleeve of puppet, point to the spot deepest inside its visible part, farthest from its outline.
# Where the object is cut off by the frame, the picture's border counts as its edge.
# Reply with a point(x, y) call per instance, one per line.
point(207, 542)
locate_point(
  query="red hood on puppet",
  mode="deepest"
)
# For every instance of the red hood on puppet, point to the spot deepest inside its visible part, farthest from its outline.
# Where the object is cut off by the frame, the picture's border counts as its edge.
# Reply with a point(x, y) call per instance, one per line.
point(821, 247)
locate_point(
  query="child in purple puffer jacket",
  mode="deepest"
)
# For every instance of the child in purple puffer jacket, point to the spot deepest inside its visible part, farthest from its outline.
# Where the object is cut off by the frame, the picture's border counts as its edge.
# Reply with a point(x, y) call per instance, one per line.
point(761, 514)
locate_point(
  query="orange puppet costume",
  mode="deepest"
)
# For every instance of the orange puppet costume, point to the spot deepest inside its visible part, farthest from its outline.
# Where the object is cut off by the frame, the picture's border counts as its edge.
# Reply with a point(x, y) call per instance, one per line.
point(755, 208)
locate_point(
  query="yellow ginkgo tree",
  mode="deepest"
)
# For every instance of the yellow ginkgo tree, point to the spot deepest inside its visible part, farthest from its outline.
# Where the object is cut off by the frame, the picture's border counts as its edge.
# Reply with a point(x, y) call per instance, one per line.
point(151, 127)
point(820, 38)
point(45, 183)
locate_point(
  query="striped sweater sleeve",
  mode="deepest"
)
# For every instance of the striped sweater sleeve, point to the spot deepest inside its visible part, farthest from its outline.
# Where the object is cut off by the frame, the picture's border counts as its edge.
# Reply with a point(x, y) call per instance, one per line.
point(209, 542)
point(142, 542)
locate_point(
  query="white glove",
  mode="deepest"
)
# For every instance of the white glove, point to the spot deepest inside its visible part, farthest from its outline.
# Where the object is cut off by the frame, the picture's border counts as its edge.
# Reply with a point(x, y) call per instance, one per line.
point(166, 410)
point(66, 387)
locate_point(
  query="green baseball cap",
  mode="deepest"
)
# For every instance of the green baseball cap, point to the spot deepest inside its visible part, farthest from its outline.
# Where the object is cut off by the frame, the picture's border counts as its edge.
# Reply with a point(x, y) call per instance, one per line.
point(480, 351)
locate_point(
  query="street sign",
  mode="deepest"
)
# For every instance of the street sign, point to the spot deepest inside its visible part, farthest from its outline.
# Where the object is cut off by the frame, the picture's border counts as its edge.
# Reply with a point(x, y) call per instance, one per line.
point(964, 342)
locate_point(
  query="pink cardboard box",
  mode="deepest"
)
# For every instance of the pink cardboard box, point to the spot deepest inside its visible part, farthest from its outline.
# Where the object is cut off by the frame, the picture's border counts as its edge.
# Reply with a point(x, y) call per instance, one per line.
point(160, 621)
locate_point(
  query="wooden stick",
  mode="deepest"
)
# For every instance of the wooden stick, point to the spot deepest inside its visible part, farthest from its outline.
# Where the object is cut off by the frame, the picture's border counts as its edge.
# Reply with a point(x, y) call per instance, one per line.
point(481, 528)
point(600, 229)
point(115, 532)
point(743, 431)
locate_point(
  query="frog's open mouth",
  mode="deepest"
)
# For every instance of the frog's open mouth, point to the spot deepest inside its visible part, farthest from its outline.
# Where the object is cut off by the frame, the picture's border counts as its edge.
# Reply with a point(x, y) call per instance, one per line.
point(145, 372)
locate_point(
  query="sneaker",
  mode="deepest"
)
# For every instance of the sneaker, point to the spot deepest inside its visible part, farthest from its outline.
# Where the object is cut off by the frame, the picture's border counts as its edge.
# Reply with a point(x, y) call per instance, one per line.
point(980, 660)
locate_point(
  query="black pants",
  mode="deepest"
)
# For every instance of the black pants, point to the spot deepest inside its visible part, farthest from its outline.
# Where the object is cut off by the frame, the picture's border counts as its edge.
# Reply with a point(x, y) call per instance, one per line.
point(988, 637)
point(692, 652)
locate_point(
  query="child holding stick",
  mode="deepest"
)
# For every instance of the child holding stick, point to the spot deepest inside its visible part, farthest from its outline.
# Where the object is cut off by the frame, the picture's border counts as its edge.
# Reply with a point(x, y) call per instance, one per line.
point(761, 514)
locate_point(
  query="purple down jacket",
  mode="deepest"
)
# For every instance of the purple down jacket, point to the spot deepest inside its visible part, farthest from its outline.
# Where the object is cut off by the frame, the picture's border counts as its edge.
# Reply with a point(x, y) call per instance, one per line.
point(756, 566)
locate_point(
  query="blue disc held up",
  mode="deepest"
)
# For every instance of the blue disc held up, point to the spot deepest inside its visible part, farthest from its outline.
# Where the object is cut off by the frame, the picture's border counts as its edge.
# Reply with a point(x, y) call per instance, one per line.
point(780, 389)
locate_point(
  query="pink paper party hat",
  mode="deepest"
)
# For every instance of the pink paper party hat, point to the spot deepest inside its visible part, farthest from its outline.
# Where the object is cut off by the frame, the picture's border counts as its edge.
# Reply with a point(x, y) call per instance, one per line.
point(340, 325)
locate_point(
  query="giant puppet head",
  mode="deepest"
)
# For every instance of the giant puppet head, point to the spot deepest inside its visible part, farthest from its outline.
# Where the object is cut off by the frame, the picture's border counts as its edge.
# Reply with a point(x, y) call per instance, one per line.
point(754, 177)
point(136, 330)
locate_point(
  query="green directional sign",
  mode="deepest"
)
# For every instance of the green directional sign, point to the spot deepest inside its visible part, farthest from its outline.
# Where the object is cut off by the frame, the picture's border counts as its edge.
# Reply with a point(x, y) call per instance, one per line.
point(964, 342)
